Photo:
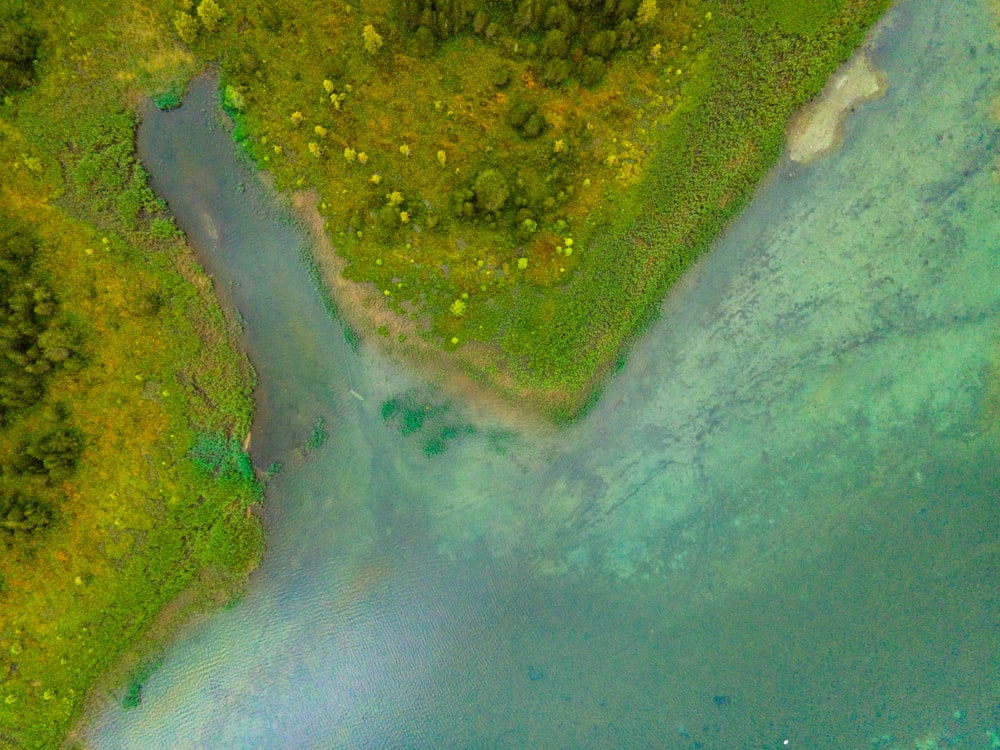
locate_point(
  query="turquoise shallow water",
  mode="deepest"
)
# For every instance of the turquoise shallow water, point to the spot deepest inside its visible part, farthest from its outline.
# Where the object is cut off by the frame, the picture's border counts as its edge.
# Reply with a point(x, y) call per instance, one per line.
point(781, 523)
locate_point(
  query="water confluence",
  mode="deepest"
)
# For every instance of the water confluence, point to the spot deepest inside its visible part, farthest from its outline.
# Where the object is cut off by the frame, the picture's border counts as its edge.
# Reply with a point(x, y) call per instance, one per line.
point(778, 528)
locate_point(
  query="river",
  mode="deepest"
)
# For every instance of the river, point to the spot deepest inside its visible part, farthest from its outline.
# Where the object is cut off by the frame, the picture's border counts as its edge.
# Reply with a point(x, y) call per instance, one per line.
point(780, 527)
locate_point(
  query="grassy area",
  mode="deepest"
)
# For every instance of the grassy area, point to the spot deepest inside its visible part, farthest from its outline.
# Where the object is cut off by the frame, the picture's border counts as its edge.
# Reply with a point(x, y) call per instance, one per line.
point(128, 437)
point(525, 212)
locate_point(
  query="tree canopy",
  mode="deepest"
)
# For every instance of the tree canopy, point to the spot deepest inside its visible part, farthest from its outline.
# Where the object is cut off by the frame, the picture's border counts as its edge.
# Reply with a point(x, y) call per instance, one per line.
point(34, 339)
point(18, 47)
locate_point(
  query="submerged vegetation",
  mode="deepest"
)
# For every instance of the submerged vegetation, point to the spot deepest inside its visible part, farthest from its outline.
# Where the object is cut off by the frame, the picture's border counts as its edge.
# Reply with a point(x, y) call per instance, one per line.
point(408, 415)
point(520, 181)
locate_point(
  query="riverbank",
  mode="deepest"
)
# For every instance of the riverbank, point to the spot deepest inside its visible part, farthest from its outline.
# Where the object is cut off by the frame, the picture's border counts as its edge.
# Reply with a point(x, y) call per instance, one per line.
point(461, 376)
point(141, 519)
point(122, 683)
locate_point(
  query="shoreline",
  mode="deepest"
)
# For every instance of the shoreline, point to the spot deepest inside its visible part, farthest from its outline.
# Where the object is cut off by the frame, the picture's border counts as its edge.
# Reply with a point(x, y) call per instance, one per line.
point(193, 605)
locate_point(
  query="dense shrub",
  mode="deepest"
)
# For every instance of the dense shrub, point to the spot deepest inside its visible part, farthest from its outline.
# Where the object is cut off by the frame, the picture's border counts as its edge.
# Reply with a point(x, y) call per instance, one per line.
point(524, 117)
point(555, 71)
point(34, 340)
point(106, 171)
point(18, 47)
point(591, 70)
point(549, 30)
point(555, 43)
point(21, 516)
point(221, 457)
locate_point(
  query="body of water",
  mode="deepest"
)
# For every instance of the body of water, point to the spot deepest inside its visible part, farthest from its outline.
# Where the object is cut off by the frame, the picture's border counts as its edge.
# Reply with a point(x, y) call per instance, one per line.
point(780, 527)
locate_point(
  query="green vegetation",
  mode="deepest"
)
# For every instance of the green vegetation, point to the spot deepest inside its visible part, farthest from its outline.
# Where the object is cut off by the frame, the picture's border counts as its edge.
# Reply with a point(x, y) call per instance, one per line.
point(118, 376)
point(319, 435)
point(410, 416)
point(132, 696)
point(221, 457)
point(18, 45)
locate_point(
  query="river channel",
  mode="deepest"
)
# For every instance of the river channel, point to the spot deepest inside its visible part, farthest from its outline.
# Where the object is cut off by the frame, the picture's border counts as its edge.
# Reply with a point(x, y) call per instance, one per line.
point(780, 526)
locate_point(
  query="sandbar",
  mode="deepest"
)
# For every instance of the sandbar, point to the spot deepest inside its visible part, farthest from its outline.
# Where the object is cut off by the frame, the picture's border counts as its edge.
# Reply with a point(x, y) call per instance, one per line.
point(818, 126)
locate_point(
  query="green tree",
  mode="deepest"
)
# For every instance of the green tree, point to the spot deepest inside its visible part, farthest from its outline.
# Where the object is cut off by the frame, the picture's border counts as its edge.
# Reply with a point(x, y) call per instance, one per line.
point(591, 70)
point(555, 43)
point(602, 44)
point(54, 452)
point(186, 27)
point(33, 339)
point(492, 190)
point(424, 42)
point(210, 14)
point(18, 47)
point(524, 117)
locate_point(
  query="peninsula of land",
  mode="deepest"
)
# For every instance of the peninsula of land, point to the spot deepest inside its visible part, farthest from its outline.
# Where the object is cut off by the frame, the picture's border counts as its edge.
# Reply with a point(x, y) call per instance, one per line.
point(547, 175)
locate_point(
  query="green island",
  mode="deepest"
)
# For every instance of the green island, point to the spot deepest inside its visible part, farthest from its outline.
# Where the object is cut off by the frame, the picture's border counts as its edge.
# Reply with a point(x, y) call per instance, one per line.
point(509, 189)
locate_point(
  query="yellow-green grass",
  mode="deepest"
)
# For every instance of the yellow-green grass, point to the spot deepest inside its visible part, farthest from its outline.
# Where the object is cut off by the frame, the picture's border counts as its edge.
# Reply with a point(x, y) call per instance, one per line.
point(141, 519)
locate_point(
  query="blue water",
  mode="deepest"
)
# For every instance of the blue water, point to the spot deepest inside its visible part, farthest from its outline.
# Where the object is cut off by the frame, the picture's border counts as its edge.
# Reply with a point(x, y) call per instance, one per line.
point(780, 524)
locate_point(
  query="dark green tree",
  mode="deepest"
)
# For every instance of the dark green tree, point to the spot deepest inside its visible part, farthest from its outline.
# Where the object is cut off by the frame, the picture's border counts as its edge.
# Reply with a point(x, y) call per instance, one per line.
point(21, 516)
point(602, 43)
point(591, 70)
point(33, 339)
point(54, 453)
point(18, 47)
